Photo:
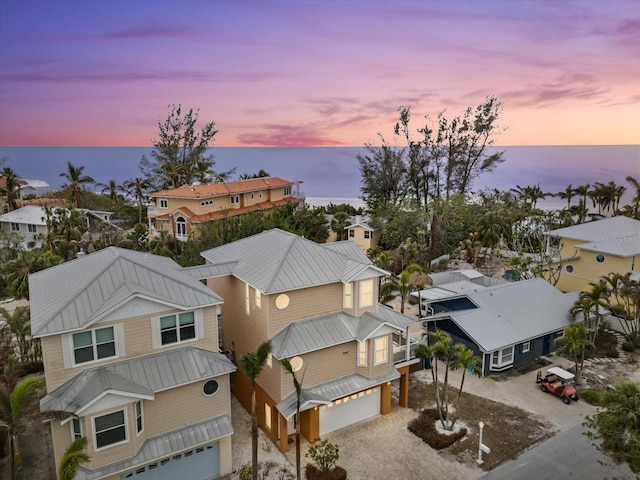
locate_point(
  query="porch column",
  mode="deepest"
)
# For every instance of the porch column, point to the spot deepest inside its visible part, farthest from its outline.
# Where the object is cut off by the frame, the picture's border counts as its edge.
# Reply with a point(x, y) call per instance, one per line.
point(310, 424)
point(284, 434)
point(403, 396)
point(385, 398)
point(407, 350)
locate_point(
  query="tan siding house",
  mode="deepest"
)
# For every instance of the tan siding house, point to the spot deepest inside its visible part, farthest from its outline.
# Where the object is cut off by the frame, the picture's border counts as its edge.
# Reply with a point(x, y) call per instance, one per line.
point(317, 305)
point(129, 341)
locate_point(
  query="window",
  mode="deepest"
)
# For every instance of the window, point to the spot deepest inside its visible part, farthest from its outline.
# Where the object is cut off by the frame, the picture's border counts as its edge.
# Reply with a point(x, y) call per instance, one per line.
point(362, 354)
point(234, 199)
point(282, 301)
point(210, 387)
point(258, 298)
point(526, 346)
point(381, 350)
point(251, 195)
point(94, 345)
point(502, 358)
point(139, 419)
point(76, 429)
point(15, 227)
point(267, 416)
point(269, 360)
point(247, 308)
point(569, 268)
point(177, 328)
point(352, 233)
point(347, 301)
point(181, 227)
point(110, 429)
point(206, 202)
point(287, 190)
point(367, 234)
point(32, 228)
point(164, 203)
point(366, 293)
point(600, 258)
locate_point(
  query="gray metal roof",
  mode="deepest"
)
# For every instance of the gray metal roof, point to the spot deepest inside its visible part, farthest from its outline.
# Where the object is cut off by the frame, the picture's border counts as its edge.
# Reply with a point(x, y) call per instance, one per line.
point(202, 272)
point(74, 294)
point(512, 313)
point(308, 400)
point(333, 329)
point(140, 376)
point(601, 230)
point(333, 390)
point(447, 290)
point(165, 445)
point(276, 261)
point(627, 246)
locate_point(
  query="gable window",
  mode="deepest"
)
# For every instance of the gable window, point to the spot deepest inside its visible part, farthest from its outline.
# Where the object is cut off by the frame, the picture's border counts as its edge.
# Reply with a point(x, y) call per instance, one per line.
point(139, 419)
point(234, 199)
point(76, 428)
point(177, 328)
point(287, 190)
point(181, 227)
point(164, 203)
point(501, 359)
point(94, 345)
point(110, 429)
point(347, 301)
point(366, 293)
point(381, 350)
point(210, 387)
point(362, 354)
point(352, 233)
point(526, 346)
point(32, 228)
point(15, 227)
point(258, 298)
point(367, 234)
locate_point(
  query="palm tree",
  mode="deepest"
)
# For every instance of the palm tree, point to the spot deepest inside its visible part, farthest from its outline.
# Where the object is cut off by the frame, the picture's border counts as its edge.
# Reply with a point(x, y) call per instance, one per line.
point(574, 344)
point(138, 188)
point(113, 189)
point(251, 365)
point(567, 195)
point(73, 457)
point(286, 364)
point(400, 284)
point(11, 188)
point(635, 201)
point(339, 223)
point(491, 227)
point(19, 325)
point(588, 307)
point(583, 191)
point(16, 271)
point(13, 408)
point(76, 183)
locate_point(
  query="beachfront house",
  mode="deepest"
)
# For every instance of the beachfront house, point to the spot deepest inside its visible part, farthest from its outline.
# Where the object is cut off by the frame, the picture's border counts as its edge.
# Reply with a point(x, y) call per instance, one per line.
point(317, 305)
point(180, 210)
point(588, 251)
point(130, 350)
point(505, 324)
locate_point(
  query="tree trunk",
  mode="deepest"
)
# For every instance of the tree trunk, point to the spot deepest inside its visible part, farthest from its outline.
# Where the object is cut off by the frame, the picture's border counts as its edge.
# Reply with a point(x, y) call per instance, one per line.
point(254, 436)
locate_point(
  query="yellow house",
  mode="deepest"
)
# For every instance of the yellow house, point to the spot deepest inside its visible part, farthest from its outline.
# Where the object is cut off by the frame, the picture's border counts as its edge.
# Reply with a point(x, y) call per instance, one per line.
point(318, 306)
point(131, 355)
point(360, 230)
point(179, 210)
point(590, 250)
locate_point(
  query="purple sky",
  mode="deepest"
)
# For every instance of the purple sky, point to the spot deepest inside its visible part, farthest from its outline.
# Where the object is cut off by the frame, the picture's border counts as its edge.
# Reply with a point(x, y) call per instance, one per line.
point(316, 72)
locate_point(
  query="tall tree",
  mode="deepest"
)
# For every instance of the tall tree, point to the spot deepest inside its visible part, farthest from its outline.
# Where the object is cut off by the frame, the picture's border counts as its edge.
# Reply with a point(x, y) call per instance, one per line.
point(383, 176)
point(113, 190)
point(251, 364)
point(574, 343)
point(617, 424)
point(567, 194)
point(76, 183)
point(297, 383)
point(339, 223)
point(402, 284)
point(635, 201)
point(19, 324)
point(137, 188)
point(11, 188)
point(14, 406)
point(179, 153)
point(16, 271)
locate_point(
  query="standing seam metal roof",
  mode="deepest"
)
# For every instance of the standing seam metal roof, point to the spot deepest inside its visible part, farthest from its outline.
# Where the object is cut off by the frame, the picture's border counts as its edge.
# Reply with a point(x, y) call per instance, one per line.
point(71, 295)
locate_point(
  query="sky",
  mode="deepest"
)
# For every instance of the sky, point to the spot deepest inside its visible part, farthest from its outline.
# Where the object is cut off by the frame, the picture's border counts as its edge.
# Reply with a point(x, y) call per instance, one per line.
point(316, 72)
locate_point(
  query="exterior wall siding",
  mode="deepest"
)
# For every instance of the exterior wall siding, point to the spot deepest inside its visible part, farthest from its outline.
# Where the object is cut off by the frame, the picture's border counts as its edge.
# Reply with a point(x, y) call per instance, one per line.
point(587, 270)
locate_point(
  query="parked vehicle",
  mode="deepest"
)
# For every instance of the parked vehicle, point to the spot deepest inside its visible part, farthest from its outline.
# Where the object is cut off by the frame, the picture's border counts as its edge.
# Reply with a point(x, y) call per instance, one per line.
point(559, 382)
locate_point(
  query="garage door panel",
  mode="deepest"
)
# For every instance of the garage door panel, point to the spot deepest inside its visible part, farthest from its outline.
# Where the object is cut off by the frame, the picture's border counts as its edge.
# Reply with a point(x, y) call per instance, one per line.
point(349, 410)
point(201, 463)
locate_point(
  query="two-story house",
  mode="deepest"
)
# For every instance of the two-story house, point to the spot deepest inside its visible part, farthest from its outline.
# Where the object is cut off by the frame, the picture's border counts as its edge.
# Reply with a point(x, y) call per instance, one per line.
point(590, 250)
point(131, 357)
point(180, 210)
point(361, 230)
point(319, 303)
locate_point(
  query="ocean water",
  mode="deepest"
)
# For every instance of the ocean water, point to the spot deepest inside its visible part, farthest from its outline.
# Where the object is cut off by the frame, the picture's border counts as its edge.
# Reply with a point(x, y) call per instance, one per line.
point(332, 173)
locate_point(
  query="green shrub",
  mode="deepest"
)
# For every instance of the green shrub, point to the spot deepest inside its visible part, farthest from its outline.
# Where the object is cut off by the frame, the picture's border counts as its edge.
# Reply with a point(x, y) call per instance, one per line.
point(612, 353)
point(324, 453)
point(635, 338)
point(592, 397)
point(245, 472)
point(628, 346)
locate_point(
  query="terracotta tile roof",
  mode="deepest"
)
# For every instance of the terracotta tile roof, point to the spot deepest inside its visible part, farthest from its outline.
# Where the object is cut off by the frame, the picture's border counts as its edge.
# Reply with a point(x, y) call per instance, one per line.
point(3, 182)
point(186, 211)
point(218, 214)
point(220, 189)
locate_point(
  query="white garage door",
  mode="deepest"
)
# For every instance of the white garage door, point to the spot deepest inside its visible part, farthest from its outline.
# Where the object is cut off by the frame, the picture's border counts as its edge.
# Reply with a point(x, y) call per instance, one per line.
point(198, 464)
point(349, 410)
